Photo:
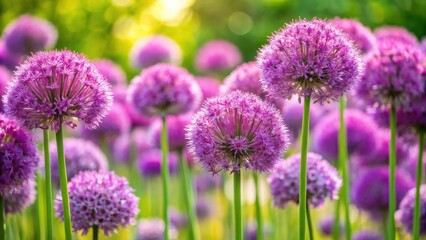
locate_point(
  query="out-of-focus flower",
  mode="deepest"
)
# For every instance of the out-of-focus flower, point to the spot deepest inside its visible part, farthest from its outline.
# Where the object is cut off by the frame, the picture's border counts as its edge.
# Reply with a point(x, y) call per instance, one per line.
point(405, 213)
point(111, 71)
point(19, 199)
point(396, 34)
point(153, 229)
point(149, 163)
point(217, 56)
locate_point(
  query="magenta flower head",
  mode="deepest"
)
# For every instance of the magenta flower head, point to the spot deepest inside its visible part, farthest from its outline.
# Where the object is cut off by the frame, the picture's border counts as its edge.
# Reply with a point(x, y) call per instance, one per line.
point(19, 158)
point(164, 90)
point(395, 34)
point(51, 88)
point(358, 33)
point(210, 87)
point(8, 59)
point(423, 45)
point(81, 155)
point(217, 56)
point(175, 132)
point(323, 181)
point(237, 130)
point(5, 78)
point(111, 71)
point(309, 58)
point(99, 199)
point(405, 213)
point(155, 49)
point(326, 225)
point(153, 229)
point(19, 199)
point(149, 163)
point(367, 235)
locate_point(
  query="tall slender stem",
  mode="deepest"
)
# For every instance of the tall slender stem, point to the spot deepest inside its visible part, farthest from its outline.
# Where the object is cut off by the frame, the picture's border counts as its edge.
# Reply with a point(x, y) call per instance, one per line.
point(165, 176)
point(259, 222)
point(343, 165)
point(2, 219)
point(38, 208)
point(416, 226)
point(63, 183)
point(311, 229)
point(336, 223)
point(189, 196)
point(237, 205)
point(48, 186)
point(392, 166)
point(95, 230)
point(303, 168)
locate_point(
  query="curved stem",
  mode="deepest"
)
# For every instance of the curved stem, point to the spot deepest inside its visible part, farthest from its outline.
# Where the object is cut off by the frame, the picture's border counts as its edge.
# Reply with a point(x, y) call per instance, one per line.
point(259, 222)
point(237, 205)
point(48, 186)
point(63, 183)
point(95, 230)
point(392, 166)
point(165, 176)
point(311, 229)
point(303, 168)
point(416, 226)
point(2, 219)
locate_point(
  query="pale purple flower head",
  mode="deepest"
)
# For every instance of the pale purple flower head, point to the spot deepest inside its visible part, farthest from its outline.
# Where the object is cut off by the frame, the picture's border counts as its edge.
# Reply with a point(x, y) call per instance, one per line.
point(28, 34)
point(155, 49)
point(326, 225)
point(410, 165)
point(55, 87)
point(367, 235)
point(175, 132)
point(323, 181)
point(405, 213)
point(18, 155)
point(210, 87)
point(149, 163)
point(164, 90)
point(204, 208)
point(177, 219)
point(153, 229)
point(111, 71)
point(395, 34)
point(8, 59)
point(137, 119)
point(19, 199)
point(423, 45)
point(124, 147)
point(5, 78)
point(309, 58)
point(80, 155)
point(250, 231)
point(99, 199)
point(358, 33)
point(361, 132)
point(217, 56)
point(205, 182)
point(237, 130)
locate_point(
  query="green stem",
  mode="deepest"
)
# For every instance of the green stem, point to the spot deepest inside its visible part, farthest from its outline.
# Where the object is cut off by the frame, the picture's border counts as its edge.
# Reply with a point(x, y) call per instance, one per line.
point(343, 165)
point(303, 168)
point(392, 166)
point(95, 230)
point(416, 226)
point(2, 219)
point(165, 176)
point(308, 216)
point(63, 182)
point(38, 208)
point(189, 196)
point(336, 224)
point(259, 227)
point(237, 205)
point(48, 186)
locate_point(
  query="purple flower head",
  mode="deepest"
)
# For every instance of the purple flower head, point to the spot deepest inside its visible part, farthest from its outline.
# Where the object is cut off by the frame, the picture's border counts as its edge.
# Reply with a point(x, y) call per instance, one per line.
point(405, 213)
point(5, 78)
point(175, 132)
point(361, 35)
point(423, 45)
point(367, 235)
point(395, 34)
point(205, 182)
point(51, 88)
point(99, 199)
point(18, 155)
point(237, 130)
point(217, 56)
point(137, 119)
point(361, 132)
point(309, 58)
point(250, 231)
point(177, 219)
point(323, 181)
point(155, 49)
point(19, 199)
point(210, 87)
point(326, 225)
point(393, 75)
point(149, 163)
point(153, 229)
point(8, 59)
point(164, 90)
point(28, 34)
point(111, 71)
point(80, 155)
point(119, 92)
point(204, 208)
point(123, 147)
point(370, 190)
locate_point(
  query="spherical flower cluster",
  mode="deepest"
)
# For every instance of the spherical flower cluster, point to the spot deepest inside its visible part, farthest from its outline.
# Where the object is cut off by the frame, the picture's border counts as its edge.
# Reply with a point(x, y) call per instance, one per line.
point(367, 235)
point(358, 33)
point(164, 90)
point(111, 71)
point(210, 87)
point(237, 130)
point(326, 225)
point(246, 78)
point(18, 153)
point(405, 213)
point(155, 49)
point(19, 199)
point(177, 219)
point(153, 229)
point(149, 163)
point(206, 182)
point(217, 56)
point(250, 231)
point(81, 155)
point(361, 132)
point(51, 88)
point(99, 199)
point(5, 78)
point(410, 164)
point(8, 59)
point(309, 58)
point(175, 132)
point(393, 33)
point(29, 34)
point(323, 181)
point(204, 208)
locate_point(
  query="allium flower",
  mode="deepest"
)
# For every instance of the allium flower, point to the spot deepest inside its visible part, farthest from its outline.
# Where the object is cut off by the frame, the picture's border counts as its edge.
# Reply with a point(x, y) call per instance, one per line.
point(175, 132)
point(237, 130)
point(423, 45)
point(410, 164)
point(250, 231)
point(155, 49)
point(361, 132)
point(8, 59)
point(205, 182)
point(126, 146)
point(210, 87)
point(153, 229)
point(177, 219)
point(19, 199)
point(51, 88)
point(18, 155)
point(309, 58)
point(149, 163)
point(217, 56)
point(28, 34)
point(394, 33)
point(5, 78)
point(367, 235)
point(405, 213)
point(326, 225)
point(361, 35)
point(204, 208)
point(81, 155)
point(370, 189)
point(137, 119)
point(99, 199)
point(164, 90)
point(111, 71)
point(323, 181)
